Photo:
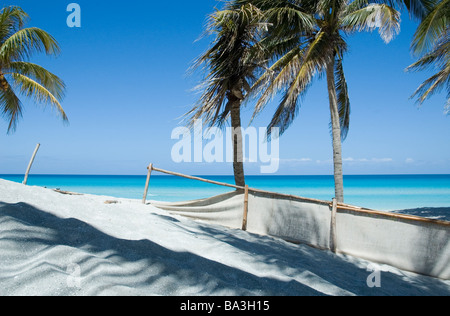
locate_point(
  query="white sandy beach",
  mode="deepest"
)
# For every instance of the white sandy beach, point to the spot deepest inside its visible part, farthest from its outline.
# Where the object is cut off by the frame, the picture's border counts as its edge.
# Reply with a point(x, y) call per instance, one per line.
point(56, 244)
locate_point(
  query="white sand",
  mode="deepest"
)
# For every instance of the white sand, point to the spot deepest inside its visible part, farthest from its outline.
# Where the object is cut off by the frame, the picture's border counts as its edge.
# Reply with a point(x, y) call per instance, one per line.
point(55, 244)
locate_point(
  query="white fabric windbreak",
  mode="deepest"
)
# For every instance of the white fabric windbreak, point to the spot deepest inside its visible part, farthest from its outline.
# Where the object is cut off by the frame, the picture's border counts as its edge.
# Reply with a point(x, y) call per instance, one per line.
point(410, 244)
point(289, 219)
point(225, 209)
point(406, 242)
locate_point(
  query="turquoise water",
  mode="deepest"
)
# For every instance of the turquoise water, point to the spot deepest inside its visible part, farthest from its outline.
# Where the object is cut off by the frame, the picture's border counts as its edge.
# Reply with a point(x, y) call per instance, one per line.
point(382, 192)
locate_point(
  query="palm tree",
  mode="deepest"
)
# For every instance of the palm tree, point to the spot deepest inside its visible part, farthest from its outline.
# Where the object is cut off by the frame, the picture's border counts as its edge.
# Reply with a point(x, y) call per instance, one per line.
point(306, 39)
point(431, 42)
point(18, 76)
point(230, 63)
point(418, 9)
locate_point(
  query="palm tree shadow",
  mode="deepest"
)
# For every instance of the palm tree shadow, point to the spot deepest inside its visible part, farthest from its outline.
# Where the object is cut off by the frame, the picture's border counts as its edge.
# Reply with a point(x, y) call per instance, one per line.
point(340, 271)
point(142, 265)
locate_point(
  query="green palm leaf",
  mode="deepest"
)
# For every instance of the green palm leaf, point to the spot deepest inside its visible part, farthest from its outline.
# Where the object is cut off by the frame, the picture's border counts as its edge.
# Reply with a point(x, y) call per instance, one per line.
point(432, 85)
point(275, 78)
point(11, 107)
point(31, 88)
point(22, 44)
point(12, 19)
point(230, 62)
point(17, 45)
point(417, 8)
point(342, 98)
point(431, 42)
point(371, 17)
point(301, 71)
point(47, 79)
point(432, 27)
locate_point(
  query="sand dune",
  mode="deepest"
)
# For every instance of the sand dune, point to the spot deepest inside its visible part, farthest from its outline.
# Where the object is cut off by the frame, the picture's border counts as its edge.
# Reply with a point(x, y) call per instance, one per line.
point(57, 244)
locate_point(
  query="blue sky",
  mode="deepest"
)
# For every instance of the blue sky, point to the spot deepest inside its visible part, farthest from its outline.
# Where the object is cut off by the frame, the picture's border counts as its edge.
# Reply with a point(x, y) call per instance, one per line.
point(127, 87)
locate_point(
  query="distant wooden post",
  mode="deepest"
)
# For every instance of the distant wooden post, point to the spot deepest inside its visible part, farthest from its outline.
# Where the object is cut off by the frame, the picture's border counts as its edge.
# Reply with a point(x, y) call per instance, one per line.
point(30, 164)
point(150, 168)
point(244, 221)
point(333, 237)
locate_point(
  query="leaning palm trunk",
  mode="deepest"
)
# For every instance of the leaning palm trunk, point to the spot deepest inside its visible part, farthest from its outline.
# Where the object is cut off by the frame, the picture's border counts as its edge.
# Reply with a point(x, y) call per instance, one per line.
point(238, 157)
point(336, 133)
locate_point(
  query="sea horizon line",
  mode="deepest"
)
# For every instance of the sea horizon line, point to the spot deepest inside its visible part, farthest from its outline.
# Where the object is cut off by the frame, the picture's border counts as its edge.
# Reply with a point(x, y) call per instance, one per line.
point(226, 175)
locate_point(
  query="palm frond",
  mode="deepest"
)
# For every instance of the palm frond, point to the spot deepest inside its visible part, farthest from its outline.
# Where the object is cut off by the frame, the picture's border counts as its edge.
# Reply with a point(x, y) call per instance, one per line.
point(230, 63)
point(438, 58)
point(17, 44)
point(373, 16)
point(49, 80)
point(431, 28)
point(275, 78)
point(425, 62)
point(302, 5)
point(313, 61)
point(432, 85)
point(342, 98)
point(11, 107)
point(31, 88)
point(297, 20)
point(439, 55)
point(22, 44)
point(12, 19)
point(419, 8)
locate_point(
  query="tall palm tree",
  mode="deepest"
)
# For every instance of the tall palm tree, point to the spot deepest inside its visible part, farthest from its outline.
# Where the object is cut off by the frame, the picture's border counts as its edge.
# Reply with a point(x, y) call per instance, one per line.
point(431, 42)
point(18, 76)
point(230, 63)
point(306, 39)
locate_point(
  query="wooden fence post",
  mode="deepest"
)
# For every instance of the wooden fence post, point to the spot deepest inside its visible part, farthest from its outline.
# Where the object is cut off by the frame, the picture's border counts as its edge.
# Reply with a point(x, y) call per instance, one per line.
point(150, 168)
point(333, 236)
point(30, 164)
point(244, 221)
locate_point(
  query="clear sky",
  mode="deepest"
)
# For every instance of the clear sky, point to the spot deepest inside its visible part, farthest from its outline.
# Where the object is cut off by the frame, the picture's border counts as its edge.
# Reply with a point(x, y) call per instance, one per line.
point(127, 87)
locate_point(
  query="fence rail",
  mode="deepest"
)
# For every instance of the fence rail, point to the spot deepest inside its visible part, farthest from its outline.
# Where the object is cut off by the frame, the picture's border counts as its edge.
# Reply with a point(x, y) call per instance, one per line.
point(336, 206)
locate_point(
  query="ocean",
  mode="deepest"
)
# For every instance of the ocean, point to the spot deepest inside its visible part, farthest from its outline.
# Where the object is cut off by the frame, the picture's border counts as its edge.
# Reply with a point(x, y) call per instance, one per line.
point(380, 192)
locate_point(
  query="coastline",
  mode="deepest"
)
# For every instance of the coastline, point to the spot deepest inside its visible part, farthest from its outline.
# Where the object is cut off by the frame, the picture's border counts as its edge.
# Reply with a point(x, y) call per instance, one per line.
point(378, 192)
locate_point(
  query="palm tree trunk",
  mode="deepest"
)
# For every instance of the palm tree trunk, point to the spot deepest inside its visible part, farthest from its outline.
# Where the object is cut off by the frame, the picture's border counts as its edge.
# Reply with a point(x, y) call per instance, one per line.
point(336, 132)
point(238, 158)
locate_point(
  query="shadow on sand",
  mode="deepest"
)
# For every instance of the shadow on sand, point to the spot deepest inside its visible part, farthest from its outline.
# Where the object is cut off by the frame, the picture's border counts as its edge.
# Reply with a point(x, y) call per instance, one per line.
point(39, 245)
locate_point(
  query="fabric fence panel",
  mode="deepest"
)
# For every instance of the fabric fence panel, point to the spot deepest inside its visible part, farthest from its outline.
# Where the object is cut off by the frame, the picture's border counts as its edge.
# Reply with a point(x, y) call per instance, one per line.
point(408, 244)
point(290, 219)
point(225, 209)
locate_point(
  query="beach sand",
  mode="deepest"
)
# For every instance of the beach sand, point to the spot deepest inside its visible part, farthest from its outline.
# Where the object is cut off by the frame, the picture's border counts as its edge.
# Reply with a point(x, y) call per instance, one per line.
point(60, 244)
